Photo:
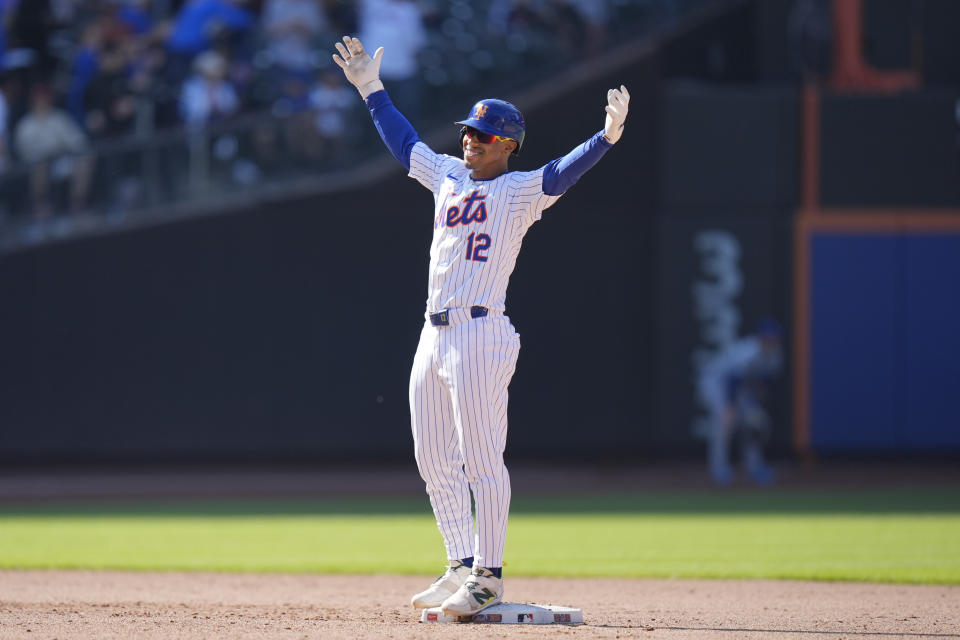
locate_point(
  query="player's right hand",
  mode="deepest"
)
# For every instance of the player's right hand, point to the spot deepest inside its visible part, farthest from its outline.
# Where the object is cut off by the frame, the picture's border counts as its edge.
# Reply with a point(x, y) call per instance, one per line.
point(361, 70)
point(618, 101)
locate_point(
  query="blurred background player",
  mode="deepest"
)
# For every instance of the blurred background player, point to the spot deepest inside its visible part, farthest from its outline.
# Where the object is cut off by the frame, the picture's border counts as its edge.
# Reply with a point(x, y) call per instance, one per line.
point(734, 386)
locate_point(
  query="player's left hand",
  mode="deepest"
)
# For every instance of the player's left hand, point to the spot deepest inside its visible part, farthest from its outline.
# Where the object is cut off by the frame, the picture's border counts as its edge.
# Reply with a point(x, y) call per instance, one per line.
point(617, 103)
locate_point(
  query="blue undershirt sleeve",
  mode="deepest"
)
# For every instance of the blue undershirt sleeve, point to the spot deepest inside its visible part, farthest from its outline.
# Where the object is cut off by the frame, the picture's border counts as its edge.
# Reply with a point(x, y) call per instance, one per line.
point(397, 133)
point(562, 173)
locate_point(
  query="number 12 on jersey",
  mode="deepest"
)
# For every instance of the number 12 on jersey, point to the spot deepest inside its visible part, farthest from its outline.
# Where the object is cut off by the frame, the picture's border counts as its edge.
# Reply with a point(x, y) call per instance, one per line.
point(477, 247)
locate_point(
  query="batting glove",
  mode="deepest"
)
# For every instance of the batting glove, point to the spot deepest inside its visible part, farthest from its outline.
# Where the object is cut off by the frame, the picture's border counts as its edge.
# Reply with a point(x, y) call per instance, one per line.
point(617, 101)
point(361, 70)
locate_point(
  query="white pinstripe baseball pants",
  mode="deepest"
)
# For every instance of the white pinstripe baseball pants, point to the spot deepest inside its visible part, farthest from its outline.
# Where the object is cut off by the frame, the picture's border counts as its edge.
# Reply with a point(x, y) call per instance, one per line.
point(458, 411)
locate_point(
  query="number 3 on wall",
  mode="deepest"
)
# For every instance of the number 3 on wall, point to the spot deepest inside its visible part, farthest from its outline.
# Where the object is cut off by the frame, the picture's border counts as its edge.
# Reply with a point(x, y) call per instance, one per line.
point(477, 250)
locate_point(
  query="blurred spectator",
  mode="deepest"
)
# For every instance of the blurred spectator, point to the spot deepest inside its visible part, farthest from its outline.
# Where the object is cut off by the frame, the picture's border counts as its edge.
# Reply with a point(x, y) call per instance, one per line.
point(66, 11)
point(109, 101)
point(120, 56)
point(734, 386)
point(523, 15)
point(136, 17)
point(565, 26)
point(595, 15)
point(86, 64)
point(341, 15)
point(6, 15)
point(397, 26)
point(48, 138)
point(12, 88)
point(199, 25)
point(293, 109)
point(500, 12)
point(199, 22)
point(99, 96)
point(538, 27)
point(207, 95)
point(292, 27)
point(30, 25)
point(332, 101)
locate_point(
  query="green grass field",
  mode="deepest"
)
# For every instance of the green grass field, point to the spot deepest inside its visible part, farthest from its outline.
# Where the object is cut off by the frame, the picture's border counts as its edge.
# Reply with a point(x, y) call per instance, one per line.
point(910, 536)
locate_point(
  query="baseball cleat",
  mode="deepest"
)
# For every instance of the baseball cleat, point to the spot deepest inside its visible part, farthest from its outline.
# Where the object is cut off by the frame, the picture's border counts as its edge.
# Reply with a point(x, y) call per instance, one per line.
point(480, 590)
point(443, 587)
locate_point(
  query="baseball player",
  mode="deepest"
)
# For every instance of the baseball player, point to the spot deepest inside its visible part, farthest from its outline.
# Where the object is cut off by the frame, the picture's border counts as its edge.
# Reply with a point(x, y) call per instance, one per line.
point(733, 385)
point(468, 347)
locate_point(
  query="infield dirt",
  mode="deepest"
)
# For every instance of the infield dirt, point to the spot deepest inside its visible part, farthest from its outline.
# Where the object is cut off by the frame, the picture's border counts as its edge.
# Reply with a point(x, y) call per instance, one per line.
point(106, 604)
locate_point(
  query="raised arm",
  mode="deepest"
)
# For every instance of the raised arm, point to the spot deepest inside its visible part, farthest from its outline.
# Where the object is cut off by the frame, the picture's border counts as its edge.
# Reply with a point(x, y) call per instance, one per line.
point(562, 173)
point(363, 72)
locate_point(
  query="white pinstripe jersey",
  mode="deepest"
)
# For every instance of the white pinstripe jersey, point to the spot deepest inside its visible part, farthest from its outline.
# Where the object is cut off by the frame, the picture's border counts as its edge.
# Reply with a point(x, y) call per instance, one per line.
point(478, 228)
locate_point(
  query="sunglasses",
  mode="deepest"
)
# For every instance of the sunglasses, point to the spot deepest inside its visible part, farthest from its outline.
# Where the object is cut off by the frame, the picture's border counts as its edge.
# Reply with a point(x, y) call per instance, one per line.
point(480, 136)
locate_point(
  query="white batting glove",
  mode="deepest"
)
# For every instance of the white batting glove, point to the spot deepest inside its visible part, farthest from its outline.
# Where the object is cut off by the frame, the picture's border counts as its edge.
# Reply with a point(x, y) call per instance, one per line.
point(361, 70)
point(617, 102)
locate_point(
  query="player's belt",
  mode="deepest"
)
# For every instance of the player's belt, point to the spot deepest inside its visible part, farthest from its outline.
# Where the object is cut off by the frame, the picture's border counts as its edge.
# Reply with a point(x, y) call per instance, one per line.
point(442, 318)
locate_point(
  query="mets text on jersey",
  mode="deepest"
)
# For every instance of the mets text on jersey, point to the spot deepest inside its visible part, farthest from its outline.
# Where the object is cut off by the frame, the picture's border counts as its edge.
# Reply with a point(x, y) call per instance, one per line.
point(468, 214)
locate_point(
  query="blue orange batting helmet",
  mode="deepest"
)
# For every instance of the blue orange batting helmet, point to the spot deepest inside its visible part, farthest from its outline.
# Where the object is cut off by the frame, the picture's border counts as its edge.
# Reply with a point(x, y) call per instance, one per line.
point(496, 117)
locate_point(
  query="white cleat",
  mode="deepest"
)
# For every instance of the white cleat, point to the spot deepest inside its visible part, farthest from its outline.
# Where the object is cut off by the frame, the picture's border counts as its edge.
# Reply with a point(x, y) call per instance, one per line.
point(444, 586)
point(480, 590)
